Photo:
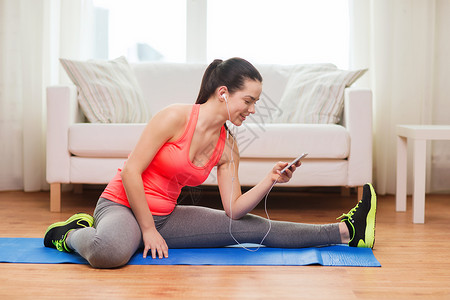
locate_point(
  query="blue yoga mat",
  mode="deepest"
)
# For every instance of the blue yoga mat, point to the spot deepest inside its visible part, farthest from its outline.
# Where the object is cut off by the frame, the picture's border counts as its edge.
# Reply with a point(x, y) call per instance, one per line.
point(32, 250)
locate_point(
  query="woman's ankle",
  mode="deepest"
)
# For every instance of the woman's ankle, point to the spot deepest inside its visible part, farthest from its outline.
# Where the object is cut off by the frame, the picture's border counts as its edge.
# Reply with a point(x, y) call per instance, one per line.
point(345, 234)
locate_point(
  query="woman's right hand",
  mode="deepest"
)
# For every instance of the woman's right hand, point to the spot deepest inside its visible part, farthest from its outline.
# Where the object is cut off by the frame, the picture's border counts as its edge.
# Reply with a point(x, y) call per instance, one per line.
point(284, 177)
point(154, 242)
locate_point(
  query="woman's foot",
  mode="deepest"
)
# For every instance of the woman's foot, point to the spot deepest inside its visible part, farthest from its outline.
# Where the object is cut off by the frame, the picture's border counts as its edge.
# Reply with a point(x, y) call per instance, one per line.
point(56, 234)
point(360, 220)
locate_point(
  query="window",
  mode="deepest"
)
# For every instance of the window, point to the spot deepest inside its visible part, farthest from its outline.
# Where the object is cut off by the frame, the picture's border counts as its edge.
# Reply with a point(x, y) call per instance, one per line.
point(141, 30)
point(262, 31)
point(282, 31)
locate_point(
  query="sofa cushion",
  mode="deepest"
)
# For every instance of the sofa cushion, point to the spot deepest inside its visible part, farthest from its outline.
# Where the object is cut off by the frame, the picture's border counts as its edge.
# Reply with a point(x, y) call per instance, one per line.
point(167, 83)
point(315, 94)
point(313, 172)
point(108, 91)
point(103, 140)
point(279, 141)
point(291, 140)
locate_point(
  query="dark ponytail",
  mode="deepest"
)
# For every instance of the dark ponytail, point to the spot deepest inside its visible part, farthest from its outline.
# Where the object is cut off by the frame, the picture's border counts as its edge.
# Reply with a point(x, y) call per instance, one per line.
point(230, 73)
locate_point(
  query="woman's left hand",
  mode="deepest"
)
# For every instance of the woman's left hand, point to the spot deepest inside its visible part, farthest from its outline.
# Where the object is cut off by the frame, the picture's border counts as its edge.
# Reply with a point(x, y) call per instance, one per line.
point(286, 175)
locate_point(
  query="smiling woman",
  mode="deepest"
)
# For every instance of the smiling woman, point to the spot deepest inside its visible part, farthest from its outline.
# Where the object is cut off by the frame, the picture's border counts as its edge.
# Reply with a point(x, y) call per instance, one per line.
point(179, 147)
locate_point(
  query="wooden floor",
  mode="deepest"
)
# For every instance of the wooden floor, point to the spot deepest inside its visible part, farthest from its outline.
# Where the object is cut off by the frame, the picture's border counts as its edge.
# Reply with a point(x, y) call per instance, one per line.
point(415, 258)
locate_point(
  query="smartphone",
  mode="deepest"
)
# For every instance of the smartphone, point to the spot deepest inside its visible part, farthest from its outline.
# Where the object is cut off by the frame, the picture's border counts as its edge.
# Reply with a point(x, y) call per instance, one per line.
point(294, 162)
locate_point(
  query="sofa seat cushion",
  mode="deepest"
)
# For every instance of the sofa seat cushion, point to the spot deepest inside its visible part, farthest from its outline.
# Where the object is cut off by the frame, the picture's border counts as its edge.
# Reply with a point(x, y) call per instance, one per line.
point(104, 140)
point(323, 141)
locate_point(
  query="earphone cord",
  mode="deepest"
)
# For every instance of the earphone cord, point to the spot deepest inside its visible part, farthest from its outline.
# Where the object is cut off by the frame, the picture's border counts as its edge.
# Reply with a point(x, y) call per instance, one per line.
point(231, 197)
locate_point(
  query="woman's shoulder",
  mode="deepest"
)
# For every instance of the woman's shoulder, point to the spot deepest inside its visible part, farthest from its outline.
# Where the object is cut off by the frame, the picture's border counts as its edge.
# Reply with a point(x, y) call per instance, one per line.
point(172, 119)
point(175, 113)
point(177, 109)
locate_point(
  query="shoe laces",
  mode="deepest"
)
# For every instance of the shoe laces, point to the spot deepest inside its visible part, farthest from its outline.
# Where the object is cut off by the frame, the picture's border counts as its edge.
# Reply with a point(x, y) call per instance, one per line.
point(349, 215)
point(58, 244)
point(61, 243)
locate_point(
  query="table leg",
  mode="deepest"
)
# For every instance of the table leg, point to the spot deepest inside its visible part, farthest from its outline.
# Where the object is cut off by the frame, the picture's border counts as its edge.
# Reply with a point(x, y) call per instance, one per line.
point(400, 199)
point(420, 150)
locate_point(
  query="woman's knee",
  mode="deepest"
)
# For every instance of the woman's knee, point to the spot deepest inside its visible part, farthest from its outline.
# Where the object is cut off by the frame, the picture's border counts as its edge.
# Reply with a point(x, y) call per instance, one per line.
point(105, 255)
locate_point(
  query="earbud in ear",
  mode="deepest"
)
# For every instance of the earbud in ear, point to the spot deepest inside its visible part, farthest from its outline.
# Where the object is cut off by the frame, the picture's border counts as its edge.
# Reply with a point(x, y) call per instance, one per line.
point(224, 97)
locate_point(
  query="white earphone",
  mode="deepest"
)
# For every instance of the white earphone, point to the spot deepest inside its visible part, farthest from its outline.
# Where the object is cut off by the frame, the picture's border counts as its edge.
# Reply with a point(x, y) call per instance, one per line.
point(231, 168)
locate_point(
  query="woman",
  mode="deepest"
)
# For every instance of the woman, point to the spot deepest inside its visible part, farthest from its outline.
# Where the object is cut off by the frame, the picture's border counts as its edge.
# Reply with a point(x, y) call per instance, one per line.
point(179, 146)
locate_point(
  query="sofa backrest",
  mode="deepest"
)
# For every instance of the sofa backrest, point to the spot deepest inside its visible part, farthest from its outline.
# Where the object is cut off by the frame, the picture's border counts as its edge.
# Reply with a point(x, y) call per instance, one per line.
point(166, 83)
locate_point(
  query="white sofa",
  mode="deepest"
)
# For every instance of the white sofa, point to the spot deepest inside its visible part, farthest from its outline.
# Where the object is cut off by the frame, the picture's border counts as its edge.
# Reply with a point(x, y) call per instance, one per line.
point(89, 153)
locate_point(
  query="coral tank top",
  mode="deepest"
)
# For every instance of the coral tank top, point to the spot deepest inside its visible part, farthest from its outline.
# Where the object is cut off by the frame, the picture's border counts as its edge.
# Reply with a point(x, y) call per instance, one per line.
point(170, 170)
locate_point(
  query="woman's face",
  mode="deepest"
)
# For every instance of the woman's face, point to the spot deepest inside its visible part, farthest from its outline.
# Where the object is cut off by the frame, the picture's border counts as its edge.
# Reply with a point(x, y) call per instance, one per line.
point(242, 102)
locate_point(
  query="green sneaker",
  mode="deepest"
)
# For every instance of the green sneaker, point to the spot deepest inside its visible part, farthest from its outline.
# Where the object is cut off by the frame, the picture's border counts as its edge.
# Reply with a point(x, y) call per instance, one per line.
point(56, 234)
point(360, 220)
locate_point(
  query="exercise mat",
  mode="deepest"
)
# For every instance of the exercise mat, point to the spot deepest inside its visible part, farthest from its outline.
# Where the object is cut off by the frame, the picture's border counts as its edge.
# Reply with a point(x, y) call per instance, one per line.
point(32, 250)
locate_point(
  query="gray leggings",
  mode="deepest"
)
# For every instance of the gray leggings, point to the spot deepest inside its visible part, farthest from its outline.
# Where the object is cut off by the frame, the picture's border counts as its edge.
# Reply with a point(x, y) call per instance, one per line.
point(116, 235)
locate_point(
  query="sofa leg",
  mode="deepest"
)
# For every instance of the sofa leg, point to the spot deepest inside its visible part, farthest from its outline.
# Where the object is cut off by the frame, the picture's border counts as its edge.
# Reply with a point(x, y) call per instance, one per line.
point(78, 188)
point(345, 191)
point(360, 192)
point(55, 197)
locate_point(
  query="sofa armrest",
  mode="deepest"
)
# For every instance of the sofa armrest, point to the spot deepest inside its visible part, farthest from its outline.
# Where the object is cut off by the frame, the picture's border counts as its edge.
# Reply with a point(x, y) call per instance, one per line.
point(62, 110)
point(358, 121)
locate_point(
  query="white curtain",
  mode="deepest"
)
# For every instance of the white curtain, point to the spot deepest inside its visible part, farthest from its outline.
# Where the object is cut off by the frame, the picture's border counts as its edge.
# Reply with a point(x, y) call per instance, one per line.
point(33, 35)
point(405, 44)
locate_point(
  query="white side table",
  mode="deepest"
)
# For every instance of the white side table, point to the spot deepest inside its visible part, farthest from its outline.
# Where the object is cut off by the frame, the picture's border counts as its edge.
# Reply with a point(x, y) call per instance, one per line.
point(418, 135)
